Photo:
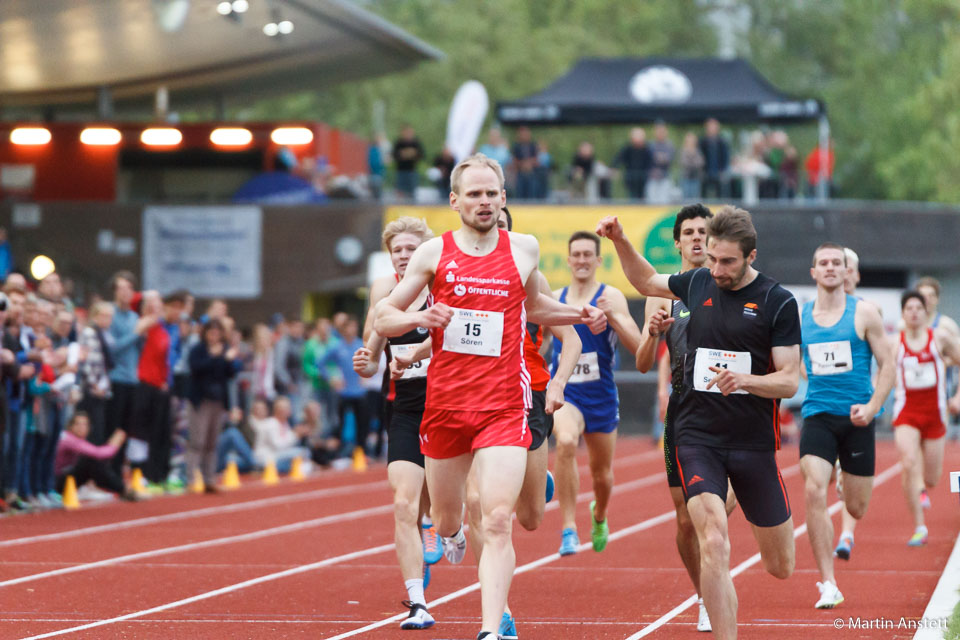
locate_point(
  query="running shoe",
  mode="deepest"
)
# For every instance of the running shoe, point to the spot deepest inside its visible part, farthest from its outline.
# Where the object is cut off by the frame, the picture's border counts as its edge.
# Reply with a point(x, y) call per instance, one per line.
point(454, 547)
point(426, 575)
point(919, 537)
point(844, 548)
point(551, 486)
point(508, 627)
point(569, 542)
point(703, 620)
point(830, 596)
point(55, 497)
point(487, 635)
point(925, 499)
point(419, 617)
point(599, 532)
point(431, 545)
point(839, 474)
point(174, 486)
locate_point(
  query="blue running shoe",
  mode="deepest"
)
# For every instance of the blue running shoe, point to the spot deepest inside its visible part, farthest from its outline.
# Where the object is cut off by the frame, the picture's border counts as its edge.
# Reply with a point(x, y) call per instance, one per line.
point(508, 627)
point(569, 542)
point(432, 551)
point(551, 486)
point(426, 575)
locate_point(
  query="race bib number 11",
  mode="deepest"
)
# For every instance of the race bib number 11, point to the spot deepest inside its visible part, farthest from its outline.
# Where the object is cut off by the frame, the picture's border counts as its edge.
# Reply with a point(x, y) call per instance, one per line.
point(736, 361)
point(478, 333)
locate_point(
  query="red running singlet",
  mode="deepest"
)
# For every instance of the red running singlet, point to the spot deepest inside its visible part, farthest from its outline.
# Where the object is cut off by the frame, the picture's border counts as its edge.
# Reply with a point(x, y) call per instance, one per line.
point(920, 394)
point(536, 365)
point(477, 362)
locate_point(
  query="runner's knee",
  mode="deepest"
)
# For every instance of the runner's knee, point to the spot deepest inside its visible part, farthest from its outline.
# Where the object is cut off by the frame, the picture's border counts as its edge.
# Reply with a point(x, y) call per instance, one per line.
point(856, 508)
point(405, 510)
point(497, 524)
point(530, 515)
point(780, 565)
point(566, 443)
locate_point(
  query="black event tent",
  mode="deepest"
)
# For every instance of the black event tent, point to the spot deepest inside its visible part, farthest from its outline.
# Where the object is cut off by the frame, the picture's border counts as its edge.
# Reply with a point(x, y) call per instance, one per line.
point(637, 90)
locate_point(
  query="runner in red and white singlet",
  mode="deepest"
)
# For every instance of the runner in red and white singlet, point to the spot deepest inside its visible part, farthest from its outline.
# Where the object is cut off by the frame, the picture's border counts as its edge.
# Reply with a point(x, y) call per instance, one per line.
point(478, 390)
point(484, 341)
point(919, 415)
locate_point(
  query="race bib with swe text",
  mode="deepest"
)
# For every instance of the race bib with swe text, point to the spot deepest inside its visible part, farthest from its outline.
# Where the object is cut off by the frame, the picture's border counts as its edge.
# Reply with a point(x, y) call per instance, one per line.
point(736, 361)
point(478, 333)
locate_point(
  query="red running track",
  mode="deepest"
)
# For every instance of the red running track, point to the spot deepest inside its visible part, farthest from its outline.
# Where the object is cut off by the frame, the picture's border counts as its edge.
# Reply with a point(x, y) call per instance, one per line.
point(315, 560)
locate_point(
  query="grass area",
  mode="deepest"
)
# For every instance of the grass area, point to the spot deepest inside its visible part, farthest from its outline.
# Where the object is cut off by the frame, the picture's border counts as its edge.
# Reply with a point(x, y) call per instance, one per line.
point(953, 626)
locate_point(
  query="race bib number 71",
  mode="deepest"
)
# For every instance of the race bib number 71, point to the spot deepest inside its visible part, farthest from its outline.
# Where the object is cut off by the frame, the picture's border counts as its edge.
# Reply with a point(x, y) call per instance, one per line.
point(736, 361)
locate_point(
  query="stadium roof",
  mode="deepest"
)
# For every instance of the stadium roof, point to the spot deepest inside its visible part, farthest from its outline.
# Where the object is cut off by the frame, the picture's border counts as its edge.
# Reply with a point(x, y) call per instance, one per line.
point(637, 90)
point(60, 52)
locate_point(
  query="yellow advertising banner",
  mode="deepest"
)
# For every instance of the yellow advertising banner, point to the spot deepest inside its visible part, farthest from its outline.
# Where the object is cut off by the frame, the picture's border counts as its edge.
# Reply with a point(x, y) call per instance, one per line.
point(650, 229)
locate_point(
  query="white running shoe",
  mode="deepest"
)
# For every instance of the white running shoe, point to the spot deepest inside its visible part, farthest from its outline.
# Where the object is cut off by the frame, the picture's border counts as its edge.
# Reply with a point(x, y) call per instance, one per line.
point(703, 622)
point(455, 547)
point(830, 596)
point(419, 617)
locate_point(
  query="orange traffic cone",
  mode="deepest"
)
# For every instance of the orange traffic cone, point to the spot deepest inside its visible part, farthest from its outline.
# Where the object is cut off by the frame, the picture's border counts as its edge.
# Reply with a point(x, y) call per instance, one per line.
point(197, 486)
point(270, 474)
point(296, 470)
point(136, 480)
point(359, 459)
point(231, 476)
point(70, 500)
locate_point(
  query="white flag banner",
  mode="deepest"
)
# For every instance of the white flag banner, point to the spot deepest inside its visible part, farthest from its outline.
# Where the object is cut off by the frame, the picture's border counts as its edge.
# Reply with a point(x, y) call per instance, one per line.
point(209, 251)
point(467, 113)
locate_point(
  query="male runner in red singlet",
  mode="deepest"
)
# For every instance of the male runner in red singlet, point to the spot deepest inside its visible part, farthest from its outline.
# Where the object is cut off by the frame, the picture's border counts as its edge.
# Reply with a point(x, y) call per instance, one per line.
point(478, 388)
point(920, 410)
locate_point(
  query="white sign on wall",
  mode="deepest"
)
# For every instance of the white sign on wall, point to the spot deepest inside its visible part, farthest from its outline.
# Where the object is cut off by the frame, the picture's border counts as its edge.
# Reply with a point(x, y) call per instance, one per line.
point(209, 251)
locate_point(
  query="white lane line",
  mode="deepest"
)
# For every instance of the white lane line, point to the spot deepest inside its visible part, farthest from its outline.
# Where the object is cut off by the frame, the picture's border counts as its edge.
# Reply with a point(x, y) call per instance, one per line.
point(218, 592)
point(633, 484)
point(199, 513)
point(251, 504)
point(943, 600)
point(749, 562)
point(263, 533)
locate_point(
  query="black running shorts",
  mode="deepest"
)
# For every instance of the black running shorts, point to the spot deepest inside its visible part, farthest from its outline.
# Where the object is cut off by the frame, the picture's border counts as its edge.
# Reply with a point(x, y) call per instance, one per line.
point(829, 437)
point(754, 476)
point(541, 425)
point(404, 438)
point(669, 453)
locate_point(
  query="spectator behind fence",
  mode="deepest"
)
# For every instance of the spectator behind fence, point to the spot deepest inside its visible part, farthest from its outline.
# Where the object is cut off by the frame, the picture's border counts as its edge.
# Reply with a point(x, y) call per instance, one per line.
point(85, 462)
point(542, 171)
point(275, 441)
point(691, 167)
point(287, 358)
point(444, 164)
point(525, 160)
point(376, 164)
point(583, 179)
point(660, 184)
point(13, 442)
point(496, 147)
point(352, 395)
point(95, 370)
point(262, 373)
point(212, 365)
point(123, 342)
point(814, 165)
point(716, 156)
point(323, 380)
point(152, 400)
point(635, 160)
point(407, 154)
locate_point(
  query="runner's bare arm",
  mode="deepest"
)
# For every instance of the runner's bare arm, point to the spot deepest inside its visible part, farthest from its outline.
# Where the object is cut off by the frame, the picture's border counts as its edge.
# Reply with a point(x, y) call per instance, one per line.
point(392, 318)
point(781, 383)
point(663, 384)
point(638, 270)
point(366, 359)
point(861, 415)
point(614, 305)
point(379, 290)
point(949, 346)
point(656, 320)
point(545, 310)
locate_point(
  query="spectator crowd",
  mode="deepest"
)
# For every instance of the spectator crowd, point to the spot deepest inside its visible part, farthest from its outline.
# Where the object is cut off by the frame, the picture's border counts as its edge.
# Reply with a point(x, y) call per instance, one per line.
point(140, 385)
point(655, 170)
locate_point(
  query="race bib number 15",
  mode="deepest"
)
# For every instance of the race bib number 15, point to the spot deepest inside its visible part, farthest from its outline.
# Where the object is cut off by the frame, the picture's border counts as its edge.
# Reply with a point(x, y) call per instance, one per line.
point(736, 361)
point(478, 333)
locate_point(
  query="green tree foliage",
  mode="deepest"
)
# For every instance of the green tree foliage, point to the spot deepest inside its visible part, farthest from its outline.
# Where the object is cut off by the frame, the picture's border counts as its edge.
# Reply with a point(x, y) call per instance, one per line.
point(887, 70)
point(514, 47)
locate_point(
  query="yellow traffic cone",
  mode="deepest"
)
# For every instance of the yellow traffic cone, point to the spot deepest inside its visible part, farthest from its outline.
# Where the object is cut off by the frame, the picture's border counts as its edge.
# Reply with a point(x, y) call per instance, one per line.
point(296, 470)
point(231, 476)
point(359, 459)
point(270, 474)
point(70, 500)
point(136, 480)
point(197, 486)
